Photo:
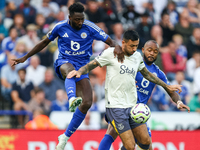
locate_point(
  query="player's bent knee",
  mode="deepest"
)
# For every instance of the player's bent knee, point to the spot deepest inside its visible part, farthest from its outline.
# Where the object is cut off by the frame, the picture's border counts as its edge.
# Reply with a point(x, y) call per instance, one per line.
point(86, 104)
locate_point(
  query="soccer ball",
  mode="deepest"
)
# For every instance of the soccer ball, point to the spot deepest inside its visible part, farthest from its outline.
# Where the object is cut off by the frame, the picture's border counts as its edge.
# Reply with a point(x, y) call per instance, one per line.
point(140, 113)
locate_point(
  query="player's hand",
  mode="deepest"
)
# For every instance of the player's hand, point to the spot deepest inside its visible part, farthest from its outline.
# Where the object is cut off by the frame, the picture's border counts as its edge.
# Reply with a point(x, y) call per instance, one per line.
point(19, 60)
point(180, 105)
point(119, 53)
point(73, 73)
point(173, 88)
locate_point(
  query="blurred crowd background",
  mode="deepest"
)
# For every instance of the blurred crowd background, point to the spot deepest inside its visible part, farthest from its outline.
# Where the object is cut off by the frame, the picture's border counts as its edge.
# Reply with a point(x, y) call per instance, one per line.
point(33, 85)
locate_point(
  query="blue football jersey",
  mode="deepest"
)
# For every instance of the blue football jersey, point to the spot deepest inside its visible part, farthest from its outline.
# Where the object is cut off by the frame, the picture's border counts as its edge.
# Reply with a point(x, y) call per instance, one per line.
point(144, 86)
point(76, 45)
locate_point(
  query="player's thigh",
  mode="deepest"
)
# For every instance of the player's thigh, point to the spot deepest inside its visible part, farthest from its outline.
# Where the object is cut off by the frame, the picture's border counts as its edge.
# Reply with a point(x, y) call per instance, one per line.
point(128, 140)
point(84, 90)
point(111, 131)
point(141, 134)
point(65, 69)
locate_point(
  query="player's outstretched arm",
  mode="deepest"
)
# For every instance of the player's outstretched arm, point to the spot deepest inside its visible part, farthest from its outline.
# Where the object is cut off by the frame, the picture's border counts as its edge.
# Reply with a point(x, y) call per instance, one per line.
point(151, 77)
point(176, 98)
point(35, 50)
point(83, 70)
point(118, 49)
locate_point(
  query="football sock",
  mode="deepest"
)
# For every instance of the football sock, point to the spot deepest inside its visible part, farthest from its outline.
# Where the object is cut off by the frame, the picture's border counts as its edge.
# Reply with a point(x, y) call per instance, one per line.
point(106, 142)
point(77, 119)
point(123, 148)
point(70, 87)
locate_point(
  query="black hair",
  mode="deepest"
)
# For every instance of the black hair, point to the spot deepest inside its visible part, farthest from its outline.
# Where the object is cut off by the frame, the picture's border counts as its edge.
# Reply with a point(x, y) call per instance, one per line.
point(22, 69)
point(76, 7)
point(130, 35)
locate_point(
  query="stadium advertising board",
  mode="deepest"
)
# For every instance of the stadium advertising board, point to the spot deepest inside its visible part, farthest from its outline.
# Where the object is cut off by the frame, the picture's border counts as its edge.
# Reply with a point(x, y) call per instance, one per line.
point(174, 121)
point(89, 140)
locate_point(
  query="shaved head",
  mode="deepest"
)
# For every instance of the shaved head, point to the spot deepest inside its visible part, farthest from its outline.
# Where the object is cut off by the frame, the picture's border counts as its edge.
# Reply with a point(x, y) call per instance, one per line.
point(150, 51)
point(150, 42)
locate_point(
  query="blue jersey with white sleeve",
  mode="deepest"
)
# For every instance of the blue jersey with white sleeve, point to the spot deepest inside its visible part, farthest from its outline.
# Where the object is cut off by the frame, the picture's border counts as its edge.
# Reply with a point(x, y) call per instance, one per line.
point(144, 86)
point(76, 45)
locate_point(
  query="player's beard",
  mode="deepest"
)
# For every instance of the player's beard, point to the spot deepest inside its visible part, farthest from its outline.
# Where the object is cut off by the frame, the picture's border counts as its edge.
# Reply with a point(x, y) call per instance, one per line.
point(75, 26)
point(148, 61)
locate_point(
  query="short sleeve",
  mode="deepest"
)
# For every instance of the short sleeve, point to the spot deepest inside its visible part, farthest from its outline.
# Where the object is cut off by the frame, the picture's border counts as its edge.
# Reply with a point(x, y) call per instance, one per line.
point(4, 72)
point(141, 65)
point(53, 33)
point(104, 57)
point(14, 87)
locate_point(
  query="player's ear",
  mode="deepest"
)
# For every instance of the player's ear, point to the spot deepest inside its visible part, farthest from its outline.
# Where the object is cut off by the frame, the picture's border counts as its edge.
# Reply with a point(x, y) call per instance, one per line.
point(142, 49)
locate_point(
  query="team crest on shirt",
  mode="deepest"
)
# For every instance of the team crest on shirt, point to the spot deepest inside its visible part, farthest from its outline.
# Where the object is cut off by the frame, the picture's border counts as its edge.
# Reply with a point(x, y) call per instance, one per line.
point(83, 35)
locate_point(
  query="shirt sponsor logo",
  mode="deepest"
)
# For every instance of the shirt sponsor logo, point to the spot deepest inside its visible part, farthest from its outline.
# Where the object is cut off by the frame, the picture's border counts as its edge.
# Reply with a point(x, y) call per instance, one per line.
point(125, 69)
point(103, 34)
point(74, 53)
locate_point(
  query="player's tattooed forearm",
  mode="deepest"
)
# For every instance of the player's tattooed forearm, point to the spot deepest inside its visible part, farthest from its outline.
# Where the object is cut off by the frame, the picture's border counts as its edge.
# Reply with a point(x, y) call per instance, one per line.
point(152, 78)
point(175, 97)
point(87, 68)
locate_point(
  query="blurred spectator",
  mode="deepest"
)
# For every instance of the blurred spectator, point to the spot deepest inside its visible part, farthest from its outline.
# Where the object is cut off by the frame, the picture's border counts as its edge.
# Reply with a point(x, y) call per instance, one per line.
point(39, 102)
point(27, 11)
point(99, 89)
point(173, 13)
point(181, 49)
point(192, 64)
point(35, 72)
point(110, 15)
point(144, 30)
point(3, 30)
point(184, 95)
point(21, 94)
point(19, 51)
point(196, 80)
point(61, 16)
point(157, 35)
point(51, 84)
point(151, 11)
point(8, 77)
point(8, 43)
point(158, 101)
point(100, 72)
point(49, 10)
point(129, 16)
point(183, 27)
point(195, 103)
point(94, 106)
point(61, 102)
point(31, 37)
point(46, 57)
point(10, 9)
point(172, 62)
point(3, 58)
point(60, 2)
point(167, 28)
point(40, 122)
point(194, 12)
point(94, 12)
point(193, 42)
point(19, 25)
point(140, 6)
point(117, 32)
point(88, 124)
point(42, 27)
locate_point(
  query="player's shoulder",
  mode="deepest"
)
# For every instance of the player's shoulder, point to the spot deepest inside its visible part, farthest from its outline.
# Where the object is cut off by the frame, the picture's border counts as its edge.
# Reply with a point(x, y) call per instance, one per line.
point(91, 25)
point(108, 52)
point(158, 70)
point(60, 23)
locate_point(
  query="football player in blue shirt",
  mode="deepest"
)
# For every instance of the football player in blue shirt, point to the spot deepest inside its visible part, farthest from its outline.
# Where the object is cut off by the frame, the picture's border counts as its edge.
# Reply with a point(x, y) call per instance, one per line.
point(75, 38)
point(144, 90)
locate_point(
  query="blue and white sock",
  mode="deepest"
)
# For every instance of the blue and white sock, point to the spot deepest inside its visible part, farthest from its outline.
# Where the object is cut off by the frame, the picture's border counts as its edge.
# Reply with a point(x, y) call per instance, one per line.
point(70, 86)
point(77, 119)
point(106, 142)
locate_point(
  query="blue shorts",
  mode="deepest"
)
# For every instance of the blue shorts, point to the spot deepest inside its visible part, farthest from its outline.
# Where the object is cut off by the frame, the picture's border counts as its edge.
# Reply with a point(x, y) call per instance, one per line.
point(148, 128)
point(76, 65)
